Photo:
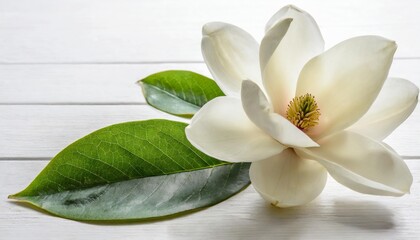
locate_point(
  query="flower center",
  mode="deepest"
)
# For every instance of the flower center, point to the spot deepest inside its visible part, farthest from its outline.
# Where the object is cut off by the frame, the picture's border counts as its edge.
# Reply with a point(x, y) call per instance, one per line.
point(303, 112)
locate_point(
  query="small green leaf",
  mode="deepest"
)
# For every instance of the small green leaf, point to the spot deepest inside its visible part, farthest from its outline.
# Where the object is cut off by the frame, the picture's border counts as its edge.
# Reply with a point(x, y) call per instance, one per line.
point(133, 170)
point(177, 92)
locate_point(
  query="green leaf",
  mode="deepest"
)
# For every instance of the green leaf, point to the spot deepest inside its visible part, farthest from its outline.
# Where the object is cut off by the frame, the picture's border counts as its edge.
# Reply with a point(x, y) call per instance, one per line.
point(177, 92)
point(133, 170)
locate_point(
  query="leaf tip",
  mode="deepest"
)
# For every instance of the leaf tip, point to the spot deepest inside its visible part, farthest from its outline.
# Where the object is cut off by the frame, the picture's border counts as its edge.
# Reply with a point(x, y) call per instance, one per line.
point(139, 82)
point(12, 196)
point(16, 196)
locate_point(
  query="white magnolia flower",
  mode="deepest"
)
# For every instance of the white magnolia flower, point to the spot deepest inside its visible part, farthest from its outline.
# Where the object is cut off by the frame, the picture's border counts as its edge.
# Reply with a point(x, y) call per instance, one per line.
point(306, 112)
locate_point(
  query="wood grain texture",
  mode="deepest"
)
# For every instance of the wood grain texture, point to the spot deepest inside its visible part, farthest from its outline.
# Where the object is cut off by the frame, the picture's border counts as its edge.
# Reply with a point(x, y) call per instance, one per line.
point(142, 31)
point(338, 213)
point(108, 83)
point(42, 131)
point(82, 83)
point(69, 67)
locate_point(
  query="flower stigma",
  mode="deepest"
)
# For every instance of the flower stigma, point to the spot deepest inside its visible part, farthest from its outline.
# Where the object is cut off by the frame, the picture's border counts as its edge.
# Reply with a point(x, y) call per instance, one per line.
point(303, 112)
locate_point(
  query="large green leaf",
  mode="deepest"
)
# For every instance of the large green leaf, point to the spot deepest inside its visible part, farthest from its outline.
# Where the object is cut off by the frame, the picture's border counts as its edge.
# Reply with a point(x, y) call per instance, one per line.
point(178, 92)
point(133, 170)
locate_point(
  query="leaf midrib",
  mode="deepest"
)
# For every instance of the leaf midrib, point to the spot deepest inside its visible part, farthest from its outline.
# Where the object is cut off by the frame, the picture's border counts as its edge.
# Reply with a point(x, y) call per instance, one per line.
point(16, 196)
point(172, 95)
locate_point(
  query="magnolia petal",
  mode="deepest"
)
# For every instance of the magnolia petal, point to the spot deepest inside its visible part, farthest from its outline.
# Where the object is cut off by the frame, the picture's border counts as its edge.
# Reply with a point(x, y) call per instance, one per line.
point(272, 40)
point(346, 80)
point(394, 104)
point(286, 12)
point(362, 164)
point(286, 180)
point(222, 130)
point(231, 54)
point(292, 39)
point(259, 111)
point(280, 16)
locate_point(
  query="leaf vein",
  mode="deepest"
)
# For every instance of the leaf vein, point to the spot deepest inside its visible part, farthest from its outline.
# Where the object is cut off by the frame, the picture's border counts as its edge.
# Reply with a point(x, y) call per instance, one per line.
point(103, 162)
point(157, 148)
point(71, 165)
point(188, 148)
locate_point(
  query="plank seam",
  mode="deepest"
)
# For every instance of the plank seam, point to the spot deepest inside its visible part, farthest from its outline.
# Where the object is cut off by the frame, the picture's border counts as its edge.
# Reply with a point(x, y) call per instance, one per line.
point(136, 62)
point(105, 63)
point(70, 103)
point(37, 159)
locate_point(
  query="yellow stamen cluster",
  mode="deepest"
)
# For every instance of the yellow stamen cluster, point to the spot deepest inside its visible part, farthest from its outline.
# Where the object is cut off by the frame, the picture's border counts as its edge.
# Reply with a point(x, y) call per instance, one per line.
point(303, 112)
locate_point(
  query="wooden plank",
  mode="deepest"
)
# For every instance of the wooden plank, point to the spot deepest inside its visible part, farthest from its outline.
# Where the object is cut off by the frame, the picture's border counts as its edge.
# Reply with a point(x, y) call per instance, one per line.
point(121, 34)
point(70, 84)
point(107, 83)
point(337, 212)
point(139, 31)
point(42, 131)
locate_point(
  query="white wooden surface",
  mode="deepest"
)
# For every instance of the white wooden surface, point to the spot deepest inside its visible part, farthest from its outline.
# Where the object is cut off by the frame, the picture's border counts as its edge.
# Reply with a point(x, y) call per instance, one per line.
point(69, 67)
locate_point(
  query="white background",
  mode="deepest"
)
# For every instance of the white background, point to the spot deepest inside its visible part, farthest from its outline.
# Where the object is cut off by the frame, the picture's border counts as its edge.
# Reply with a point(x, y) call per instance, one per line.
point(69, 67)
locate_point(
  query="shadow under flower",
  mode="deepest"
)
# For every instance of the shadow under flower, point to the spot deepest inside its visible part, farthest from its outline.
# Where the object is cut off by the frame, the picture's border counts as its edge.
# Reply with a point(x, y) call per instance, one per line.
point(343, 218)
point(363, 214)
